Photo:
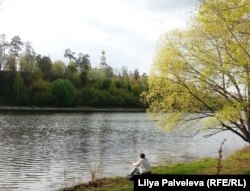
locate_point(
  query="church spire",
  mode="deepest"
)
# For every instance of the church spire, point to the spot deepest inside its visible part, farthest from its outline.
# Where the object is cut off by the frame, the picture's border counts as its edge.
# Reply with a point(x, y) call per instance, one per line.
point(103, 64)
point(103, 57)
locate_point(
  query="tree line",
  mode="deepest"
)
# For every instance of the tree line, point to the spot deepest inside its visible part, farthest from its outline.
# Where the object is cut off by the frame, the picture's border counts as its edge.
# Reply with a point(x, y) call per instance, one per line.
point(28, 78)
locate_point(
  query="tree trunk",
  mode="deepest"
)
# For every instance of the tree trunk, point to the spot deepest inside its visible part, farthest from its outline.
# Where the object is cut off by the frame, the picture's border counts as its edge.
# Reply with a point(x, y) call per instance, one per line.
point(248, 104)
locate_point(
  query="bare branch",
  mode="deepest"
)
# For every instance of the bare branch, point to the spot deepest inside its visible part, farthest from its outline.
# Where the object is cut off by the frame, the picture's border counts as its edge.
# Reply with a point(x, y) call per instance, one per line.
point(214, 133)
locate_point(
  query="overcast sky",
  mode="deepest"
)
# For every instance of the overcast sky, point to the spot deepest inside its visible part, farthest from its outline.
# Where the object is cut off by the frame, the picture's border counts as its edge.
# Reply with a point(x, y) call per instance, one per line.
point(127, 29)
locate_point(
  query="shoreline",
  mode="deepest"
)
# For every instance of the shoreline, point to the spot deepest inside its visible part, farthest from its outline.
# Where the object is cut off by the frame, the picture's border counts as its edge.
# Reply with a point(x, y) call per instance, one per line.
point(67, 109)
point(235, 164)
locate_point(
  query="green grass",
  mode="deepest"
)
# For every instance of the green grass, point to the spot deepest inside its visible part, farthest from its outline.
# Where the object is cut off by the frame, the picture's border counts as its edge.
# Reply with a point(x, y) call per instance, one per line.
point(186, 168)
point(241, 154)
point(236, 163)
point(105, 184)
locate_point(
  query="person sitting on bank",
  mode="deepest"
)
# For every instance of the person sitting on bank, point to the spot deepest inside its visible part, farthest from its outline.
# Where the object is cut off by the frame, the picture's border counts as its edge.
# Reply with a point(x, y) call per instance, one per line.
point(142, 166)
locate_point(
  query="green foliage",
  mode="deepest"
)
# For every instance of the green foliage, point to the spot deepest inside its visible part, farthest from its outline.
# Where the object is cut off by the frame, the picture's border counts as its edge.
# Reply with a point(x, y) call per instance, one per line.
point(45, 66)
point(83, 62)
point(58, 69)
point(136, 74)
point(64, 92)
point(205, 68)
point(11, 64)
point(94, 87)
point(105, 84)
point(36, 74)
point(27, 63)
point(136, 88)
point(69, 54)
point(72, 74)
point(112, 87)
point(40, 92)
point(15, 46)
point(244, 153)
point(20, 92)
point(103, 91)
point(98, 90)
point(84, 77)
point(6, 83)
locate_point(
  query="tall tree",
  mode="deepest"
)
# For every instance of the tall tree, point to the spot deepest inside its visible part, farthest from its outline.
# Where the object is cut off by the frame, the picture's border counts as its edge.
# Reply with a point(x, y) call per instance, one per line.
point(136, 74)
point(11, 64)
point(3, 46)
point(58, 69)
point(19, 91)
point(205, 70)
point(72, 74)
point(83, 63)
point(69, 54)
point(28, 58)
point(124, 71)
point(16, 47)
point(45, 66)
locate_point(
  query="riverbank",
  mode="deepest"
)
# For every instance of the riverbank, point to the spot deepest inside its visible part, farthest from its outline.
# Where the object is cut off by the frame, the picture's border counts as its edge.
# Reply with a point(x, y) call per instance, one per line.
point(236, 163)
point(68, 109)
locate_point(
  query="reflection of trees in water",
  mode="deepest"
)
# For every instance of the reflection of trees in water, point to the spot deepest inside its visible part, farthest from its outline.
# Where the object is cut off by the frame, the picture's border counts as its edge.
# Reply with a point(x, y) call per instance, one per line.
point(112, 140)
point(103, 143)
point(102, 139)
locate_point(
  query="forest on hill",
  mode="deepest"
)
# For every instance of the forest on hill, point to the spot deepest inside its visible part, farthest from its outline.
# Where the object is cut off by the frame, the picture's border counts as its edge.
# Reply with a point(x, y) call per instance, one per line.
point(28, 78)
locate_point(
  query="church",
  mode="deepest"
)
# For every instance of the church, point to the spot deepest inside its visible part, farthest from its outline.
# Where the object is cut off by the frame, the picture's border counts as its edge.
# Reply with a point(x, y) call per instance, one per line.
point(103, 65)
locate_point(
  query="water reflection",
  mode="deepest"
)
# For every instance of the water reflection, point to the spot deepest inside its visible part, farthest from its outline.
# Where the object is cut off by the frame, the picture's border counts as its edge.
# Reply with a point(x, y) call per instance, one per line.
point(46, 151)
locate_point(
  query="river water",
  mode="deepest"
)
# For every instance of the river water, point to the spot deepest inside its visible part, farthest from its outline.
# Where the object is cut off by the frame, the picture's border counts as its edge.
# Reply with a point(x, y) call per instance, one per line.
point(47, 151)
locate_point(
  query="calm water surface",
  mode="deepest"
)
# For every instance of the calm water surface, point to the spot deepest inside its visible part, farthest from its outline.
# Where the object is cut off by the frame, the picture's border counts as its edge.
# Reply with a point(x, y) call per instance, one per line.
point(47, 151)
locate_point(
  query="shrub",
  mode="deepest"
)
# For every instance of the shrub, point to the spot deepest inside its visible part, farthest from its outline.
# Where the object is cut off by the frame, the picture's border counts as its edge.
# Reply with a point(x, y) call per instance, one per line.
point(64, 92)
point(40, 92)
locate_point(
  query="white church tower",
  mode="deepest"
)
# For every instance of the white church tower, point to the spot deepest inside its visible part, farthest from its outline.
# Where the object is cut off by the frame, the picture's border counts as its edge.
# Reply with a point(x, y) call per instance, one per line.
point(103, 64)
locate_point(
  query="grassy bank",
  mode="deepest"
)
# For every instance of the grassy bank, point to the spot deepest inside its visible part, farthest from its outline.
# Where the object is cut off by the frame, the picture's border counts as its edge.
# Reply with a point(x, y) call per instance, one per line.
point(236, 163)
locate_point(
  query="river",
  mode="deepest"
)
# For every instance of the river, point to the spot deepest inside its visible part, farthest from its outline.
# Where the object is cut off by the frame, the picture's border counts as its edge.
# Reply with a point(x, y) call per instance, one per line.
point(46, 151)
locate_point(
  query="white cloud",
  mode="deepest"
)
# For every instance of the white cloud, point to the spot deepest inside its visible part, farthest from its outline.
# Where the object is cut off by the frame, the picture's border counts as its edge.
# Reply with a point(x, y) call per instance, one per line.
point(127, 29)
